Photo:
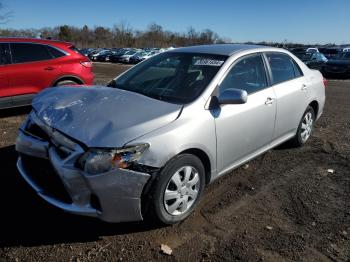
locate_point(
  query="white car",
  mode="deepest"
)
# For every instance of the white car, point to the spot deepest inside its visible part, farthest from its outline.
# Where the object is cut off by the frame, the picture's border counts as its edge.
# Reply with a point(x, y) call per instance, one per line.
point(150, 142)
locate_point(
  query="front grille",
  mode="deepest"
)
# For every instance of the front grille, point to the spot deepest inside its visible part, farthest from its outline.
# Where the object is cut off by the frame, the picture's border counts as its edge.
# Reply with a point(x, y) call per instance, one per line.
point(42, 173)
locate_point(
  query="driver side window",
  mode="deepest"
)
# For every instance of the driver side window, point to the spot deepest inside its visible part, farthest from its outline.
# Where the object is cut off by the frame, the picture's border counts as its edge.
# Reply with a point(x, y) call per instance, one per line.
point(247, 74)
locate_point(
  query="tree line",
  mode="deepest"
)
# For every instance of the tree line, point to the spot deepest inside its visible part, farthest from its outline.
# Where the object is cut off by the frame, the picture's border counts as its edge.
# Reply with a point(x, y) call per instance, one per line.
point(123, 35)
point(120, 35)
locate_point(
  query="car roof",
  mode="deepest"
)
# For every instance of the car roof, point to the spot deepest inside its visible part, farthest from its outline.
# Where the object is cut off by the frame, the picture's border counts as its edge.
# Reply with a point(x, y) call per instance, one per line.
point(35, 40)
point(218, 49)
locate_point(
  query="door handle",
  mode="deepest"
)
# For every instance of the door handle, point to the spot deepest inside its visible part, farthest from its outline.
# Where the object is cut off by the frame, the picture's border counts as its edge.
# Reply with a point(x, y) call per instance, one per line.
point(303, 87)
point(269, 101)
point(49, 68)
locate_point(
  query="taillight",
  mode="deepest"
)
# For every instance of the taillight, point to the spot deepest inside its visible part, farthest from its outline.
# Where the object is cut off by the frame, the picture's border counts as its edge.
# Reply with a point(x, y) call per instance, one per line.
point(325, 82)
point(87, 64)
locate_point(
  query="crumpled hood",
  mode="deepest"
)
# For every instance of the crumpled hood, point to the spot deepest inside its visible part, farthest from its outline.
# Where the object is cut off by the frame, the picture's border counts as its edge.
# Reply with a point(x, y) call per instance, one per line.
point(102, 116)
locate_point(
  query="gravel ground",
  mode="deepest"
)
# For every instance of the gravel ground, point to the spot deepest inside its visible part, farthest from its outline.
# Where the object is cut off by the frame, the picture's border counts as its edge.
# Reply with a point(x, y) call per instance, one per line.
point(282, 206)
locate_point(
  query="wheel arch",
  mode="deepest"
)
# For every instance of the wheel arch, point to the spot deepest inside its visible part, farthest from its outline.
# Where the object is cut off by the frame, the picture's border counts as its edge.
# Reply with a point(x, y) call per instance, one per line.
point(315, 106)
point(146, 197)
point(70, 78)
point(204, 158)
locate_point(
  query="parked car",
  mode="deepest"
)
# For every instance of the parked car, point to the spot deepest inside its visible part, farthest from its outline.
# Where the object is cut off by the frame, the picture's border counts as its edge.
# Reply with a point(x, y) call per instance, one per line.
point(125, 58)
point(312, 50)
point(103, 56)
point(338, 67)
point(30, 65)
point(116, 56)
point(95, 52)
point(161, 133)
point(331, 52)
point(140, 56)
point(136, 58)
point(86, 51)
point(99, 55)
point(298, 50)
point(313, 60)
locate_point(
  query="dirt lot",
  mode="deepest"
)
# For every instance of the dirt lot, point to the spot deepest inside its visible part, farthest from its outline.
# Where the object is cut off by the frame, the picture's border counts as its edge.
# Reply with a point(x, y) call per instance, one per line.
point(284, 206)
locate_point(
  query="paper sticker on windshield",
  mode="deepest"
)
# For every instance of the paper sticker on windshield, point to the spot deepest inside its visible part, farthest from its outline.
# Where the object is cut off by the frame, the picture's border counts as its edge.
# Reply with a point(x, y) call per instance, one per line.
point(208, 62)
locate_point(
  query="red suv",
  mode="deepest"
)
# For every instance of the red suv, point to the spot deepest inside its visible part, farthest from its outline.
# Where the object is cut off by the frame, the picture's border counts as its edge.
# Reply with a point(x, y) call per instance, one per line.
point(27, 66)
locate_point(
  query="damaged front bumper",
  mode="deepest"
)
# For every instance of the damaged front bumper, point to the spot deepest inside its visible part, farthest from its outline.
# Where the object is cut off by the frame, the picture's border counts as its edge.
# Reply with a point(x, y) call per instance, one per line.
point(48, 164)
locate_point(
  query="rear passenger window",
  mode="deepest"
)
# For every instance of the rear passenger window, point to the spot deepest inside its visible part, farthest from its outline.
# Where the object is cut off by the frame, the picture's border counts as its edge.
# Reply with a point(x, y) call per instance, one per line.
point(55, 52)
point(26, 52)
point(5, 57)
point(297, 70)
point(283, 67)
point(247, 74)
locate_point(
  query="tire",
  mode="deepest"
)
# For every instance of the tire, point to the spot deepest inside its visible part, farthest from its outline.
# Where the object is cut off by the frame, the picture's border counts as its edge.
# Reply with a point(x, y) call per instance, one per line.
point(305, 128)
point(67, 83)
point(178, 191)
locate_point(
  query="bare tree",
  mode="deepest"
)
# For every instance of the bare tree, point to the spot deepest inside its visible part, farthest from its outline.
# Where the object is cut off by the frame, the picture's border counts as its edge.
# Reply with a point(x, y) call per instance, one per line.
point(5, 16)
point(121, 35)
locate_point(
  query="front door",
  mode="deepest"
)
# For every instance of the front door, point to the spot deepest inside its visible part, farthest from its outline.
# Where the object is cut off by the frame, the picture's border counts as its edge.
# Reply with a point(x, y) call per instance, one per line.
point(243, 129)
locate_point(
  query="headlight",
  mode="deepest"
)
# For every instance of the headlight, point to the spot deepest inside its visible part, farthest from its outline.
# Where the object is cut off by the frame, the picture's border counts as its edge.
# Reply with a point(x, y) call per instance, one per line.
point(98, 161)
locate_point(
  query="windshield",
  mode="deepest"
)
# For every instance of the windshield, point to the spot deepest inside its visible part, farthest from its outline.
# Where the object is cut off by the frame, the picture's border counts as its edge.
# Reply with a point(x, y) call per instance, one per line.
point(319, 57)
point(344, 56)
point(172, 77)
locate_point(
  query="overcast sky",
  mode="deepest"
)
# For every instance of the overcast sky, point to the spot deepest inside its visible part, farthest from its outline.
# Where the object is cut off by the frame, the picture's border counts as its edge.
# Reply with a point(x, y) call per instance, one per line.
point(303, 21)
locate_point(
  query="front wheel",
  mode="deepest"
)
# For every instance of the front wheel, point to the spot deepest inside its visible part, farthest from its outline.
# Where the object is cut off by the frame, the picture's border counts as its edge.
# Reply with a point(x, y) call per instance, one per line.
point(305, 127)
point(178, 189)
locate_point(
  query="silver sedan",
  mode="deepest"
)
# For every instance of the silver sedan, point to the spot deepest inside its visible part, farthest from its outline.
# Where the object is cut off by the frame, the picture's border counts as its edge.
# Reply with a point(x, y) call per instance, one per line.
point(151, 141)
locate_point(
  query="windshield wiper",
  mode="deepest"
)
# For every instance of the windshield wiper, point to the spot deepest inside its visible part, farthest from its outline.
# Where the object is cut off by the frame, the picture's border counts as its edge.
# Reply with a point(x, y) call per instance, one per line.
point(112, 83)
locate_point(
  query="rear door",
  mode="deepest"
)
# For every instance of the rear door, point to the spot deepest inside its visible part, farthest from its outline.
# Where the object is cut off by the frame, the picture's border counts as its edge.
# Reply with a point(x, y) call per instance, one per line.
point(291, 89)
point(33, 68)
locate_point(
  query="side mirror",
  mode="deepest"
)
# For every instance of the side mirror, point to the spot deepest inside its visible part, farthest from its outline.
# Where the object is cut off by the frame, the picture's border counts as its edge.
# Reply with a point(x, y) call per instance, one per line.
point(233, 96)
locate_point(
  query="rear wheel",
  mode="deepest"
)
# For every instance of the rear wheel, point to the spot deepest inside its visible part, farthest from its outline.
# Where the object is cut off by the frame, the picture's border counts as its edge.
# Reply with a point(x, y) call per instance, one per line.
point(305, 128)
point(67, 83)
point(178, 189)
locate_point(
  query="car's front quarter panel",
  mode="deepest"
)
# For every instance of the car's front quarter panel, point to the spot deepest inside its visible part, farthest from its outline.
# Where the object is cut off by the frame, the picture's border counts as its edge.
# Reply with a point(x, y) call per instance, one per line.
point(194, 129)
